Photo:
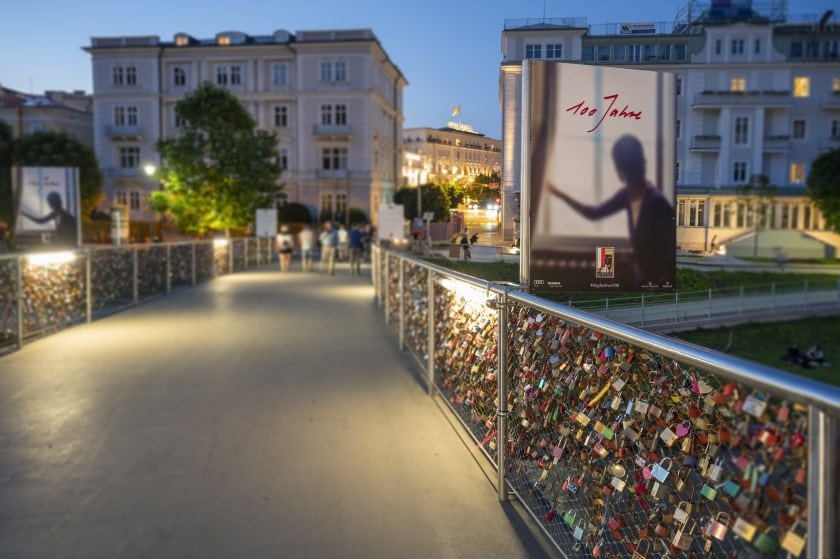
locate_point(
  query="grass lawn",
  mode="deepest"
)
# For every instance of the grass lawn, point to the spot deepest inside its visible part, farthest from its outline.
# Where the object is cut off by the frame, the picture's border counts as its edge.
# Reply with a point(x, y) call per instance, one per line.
point(764, 260)
point(767, 343)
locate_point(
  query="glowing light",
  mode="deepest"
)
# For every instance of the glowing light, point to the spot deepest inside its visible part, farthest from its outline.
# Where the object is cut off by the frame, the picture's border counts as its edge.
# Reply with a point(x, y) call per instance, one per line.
point(149, 169)
point(48, 258)
point(472, 294)
point(218, 243)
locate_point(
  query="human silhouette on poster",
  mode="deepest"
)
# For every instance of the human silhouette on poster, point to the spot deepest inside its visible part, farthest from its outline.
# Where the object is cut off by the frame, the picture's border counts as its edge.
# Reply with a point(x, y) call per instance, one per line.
point(48, 205)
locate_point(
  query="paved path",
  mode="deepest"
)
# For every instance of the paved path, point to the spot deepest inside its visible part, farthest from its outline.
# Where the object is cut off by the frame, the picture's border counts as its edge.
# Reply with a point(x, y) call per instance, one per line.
point(259, 415)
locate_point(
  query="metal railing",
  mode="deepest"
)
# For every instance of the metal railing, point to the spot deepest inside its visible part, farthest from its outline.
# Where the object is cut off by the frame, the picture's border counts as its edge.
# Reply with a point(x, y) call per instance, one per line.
point(41, 293)
point(618, 441)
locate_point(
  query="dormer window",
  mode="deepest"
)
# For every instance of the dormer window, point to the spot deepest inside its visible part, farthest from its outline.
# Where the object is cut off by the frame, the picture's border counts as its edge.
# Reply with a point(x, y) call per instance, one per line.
point(182, 41)
point(224, 40)
point(231, 38)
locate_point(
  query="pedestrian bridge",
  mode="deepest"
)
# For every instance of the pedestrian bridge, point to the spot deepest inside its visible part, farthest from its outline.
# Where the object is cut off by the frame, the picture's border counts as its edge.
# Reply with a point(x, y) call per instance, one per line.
point(264, 414)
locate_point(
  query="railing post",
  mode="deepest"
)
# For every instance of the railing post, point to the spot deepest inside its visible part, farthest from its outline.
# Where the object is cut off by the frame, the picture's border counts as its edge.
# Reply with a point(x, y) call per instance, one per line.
point(245, 249)
point(387, 289)
point(430, 307)
point(741, 300)
point(19, 297)
point(821, 484)
point(402, 304)
point(773, 295)
point(192, 271)
point(168, 268)
point(805, 293)
point(88, 290)
point(502, 409)
point(213, 258)
point(676, 306)
point(230, 249)
point(135, 287)
point(643, 309)
point(606, 306)
point(709, 306)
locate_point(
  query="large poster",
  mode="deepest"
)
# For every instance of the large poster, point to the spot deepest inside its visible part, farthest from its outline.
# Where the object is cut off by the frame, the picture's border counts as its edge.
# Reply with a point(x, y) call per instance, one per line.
point(600, 173)
point(47, 202)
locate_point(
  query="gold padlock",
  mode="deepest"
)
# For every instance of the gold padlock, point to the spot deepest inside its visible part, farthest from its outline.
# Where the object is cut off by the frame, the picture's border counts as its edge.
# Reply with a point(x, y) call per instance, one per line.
point(792, 542)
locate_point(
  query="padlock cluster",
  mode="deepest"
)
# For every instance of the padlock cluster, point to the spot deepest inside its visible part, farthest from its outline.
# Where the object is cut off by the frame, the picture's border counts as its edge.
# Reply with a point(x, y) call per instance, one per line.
point(111, 278)
point(221, 259)
point(54, 296)
point(8, 305)
point(624, 453)
point(204, 262)
point(180, 266)
point(393, 289)
point(466, 362)
point(151, 270)
point(416, 312)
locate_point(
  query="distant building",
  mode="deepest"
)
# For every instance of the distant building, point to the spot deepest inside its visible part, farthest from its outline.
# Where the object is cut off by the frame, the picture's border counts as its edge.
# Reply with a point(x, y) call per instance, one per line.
point(333, 97)
point(758, 94)
point(57, 111)
point(454, 154)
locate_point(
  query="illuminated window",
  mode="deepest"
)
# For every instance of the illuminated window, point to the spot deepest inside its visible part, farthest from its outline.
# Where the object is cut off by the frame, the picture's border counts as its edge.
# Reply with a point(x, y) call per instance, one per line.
point(121, 198)
point(681, 213)
point(835, 85)
point(738, 84)
point(224, 40)
point(696, 213)
point(801, 87)
point(797, 173)
point(181, 41)
point(326, 204)
point(533, 51)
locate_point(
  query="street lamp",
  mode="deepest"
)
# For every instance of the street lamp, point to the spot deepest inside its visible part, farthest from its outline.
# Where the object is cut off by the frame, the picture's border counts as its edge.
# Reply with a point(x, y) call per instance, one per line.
point(149, 169)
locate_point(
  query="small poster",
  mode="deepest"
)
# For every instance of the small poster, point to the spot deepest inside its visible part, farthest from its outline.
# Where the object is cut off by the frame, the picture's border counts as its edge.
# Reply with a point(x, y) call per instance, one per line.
point(47, 202)
point(266, 226)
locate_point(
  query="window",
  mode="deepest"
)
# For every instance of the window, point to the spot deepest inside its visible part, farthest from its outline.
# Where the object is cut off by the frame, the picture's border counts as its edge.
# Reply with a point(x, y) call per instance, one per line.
point(130, 158)
point(717, 214)
point(806, 217)
point(835, 128)
point(179, 77)
point(279, 74)
point(588, 54)
point(119, 116)
point(738, 84)
point(618, 53)
point(797, 173)
point(664, 52)
point(650, 52)
point(796, 49)
point(835, 85)
point(118, 76)
point(236, 75)
point(340, 204)
point(283, 158)
point(679, 128)
point(221, 75)
point(737, 46)
point(742, 131)
point(130, 75)
point(739, 172)
point(696, 213)
point(801, 86)
point(740, 215)
point(341, 115)
point(134, 200)
point(757, 49)
point(799, 128)
point(677, 172)
point(179, 122)
point(533, 51)
point(326, 71)
point(794, 216)
point(341, 71)
point(334, 159)
point(634, 53)
point(718, 46)
point(602, 53)
point(326, 115)
point(554, 51)
point(679, 85)
point(182, 41)
point(223, 40)
point(681, 213)
point(120, 198)
point(281, 116)
point(131, 115)
point(326, 204)
point(679, 52)
point(727, 216)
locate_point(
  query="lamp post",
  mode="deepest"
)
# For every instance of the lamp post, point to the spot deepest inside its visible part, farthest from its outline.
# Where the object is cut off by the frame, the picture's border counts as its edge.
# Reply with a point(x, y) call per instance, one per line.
point(150, 169)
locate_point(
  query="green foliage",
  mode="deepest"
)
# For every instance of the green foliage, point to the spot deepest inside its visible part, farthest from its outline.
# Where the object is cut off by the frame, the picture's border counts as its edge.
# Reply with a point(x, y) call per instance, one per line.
point(220, 169)
point(455, 192)
point(824, 185)
point(57, 149)
point(293, 212)
point(6, 157)
point(487, 179)
point(483, 194)
point(357, 215)
point(435, 199)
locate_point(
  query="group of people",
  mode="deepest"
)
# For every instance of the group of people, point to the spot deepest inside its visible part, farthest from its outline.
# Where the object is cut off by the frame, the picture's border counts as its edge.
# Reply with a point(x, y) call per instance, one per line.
point(334, 242)
point(811, 359)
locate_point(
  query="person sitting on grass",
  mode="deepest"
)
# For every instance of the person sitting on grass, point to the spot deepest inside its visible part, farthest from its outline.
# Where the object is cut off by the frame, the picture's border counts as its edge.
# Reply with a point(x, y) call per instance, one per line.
point(814, 357)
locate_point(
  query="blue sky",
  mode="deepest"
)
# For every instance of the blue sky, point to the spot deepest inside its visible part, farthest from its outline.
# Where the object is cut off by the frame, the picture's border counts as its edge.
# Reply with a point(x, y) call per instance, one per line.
point(448, 50)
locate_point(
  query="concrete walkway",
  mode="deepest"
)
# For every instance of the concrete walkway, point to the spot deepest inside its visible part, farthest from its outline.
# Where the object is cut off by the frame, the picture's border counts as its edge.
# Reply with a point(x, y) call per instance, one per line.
point(259, 415)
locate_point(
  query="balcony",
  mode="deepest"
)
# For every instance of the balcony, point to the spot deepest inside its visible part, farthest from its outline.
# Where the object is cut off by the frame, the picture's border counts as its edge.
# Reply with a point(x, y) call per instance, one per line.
point(332, 131)
point(831, 101)
point(332, 174)
point(776, 143)
point(120, 133)
point(830, 143)
point(705, 143)
point(718, 99)
point(123, 172)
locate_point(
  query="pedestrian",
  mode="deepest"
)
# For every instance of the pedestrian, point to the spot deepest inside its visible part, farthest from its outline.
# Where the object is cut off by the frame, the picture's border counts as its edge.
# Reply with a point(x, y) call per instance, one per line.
point(357, 246)
point(465, 246)
point(285, 248)
point(306, 240)
point(329, 241)
point(343, 239)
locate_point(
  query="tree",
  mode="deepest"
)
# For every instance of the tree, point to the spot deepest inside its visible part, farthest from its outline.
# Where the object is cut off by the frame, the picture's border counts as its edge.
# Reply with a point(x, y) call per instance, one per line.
point(760, 198)
point(455, 192)
point(57, 149)
point(435, 199)
point(293, 213)
point(824, 186)
point(220, 169)
point(6, 157)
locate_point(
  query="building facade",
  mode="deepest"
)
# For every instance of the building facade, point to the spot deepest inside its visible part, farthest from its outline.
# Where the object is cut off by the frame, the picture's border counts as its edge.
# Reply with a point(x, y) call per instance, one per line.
point(758, 95)
point(55, 111)
point(454, 154)
point(334, 98)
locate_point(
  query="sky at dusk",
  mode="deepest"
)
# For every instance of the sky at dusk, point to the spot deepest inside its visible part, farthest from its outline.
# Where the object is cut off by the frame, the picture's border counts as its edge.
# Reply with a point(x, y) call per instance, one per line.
point(448, 50)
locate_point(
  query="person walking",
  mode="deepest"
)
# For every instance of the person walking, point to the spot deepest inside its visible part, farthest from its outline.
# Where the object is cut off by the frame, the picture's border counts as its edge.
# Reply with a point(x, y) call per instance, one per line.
point(329, 241)
point(465, 246)
point(357, 245)
point(306, 240)
point(285, 248)
point(343, 241)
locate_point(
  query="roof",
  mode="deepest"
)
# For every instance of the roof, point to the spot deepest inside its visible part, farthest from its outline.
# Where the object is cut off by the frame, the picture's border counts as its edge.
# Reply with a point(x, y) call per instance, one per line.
point(13, 98)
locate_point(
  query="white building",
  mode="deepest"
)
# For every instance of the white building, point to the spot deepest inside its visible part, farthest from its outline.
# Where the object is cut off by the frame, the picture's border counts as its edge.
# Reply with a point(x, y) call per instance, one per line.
point(758, 95)
point(334, 98)
point(454, 154)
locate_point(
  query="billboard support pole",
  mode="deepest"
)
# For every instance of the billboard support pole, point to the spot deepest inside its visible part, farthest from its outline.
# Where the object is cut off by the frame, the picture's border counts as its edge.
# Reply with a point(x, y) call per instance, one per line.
point(19, 301)
point(525, 181)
